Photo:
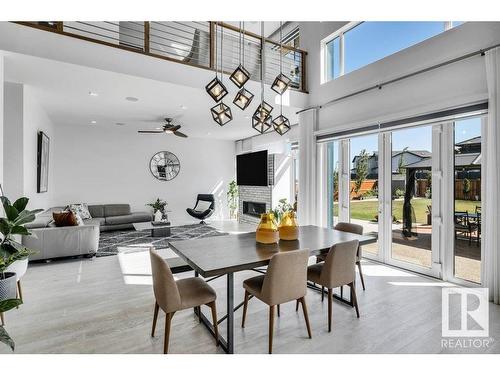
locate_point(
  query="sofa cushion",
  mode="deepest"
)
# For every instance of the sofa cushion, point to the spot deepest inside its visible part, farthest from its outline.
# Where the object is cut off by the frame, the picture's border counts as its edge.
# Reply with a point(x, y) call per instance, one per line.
point(94, 221)
point(40, 222)
point(96, 210)
point(116, 209)
point(136, 217)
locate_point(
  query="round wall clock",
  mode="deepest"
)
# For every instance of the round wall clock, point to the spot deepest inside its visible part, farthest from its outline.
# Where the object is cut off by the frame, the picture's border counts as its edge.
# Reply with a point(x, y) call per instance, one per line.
point(164, 166)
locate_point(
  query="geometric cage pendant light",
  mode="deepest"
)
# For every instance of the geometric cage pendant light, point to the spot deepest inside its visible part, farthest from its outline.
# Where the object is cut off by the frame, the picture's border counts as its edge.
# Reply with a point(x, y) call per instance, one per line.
point(215, 87)
point(281, 82)
point(261, 119)
point(221, 113)
point(240, 75)
point(281, 124)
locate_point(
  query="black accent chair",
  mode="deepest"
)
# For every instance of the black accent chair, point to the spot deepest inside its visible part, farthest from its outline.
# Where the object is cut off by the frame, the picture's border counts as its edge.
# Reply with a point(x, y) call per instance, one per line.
point(202, 215)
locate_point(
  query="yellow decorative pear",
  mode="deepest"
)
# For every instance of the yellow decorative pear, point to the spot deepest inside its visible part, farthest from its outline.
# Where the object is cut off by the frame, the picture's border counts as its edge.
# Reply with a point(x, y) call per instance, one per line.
point(267, 231)
point(288, 228)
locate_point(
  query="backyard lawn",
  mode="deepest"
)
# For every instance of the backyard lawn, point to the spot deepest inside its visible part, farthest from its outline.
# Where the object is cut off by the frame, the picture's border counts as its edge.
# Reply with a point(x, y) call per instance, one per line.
point(367, 209)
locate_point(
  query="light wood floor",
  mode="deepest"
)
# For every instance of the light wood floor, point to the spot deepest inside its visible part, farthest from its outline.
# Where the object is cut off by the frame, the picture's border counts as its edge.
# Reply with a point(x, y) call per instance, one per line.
point(105, 305)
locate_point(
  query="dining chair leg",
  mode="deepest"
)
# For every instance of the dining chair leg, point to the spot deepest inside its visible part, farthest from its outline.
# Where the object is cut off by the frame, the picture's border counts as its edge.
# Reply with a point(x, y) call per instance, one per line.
point(341, 291)
point(213, 307)
point(330, 310)
point(278, 311)
point(245, 306)
point(306, 316)
point(168, 320)
point(353, 298)
point(322, 293)
point(19, 290)
point(155, 317)
point(297, 305)
point(271, 328)
point(361, 275)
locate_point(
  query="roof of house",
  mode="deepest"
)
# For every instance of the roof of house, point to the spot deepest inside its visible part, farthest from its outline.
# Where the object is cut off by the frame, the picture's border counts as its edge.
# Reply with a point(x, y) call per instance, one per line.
point(419, 153)
point(470, 141)
point(461, 160)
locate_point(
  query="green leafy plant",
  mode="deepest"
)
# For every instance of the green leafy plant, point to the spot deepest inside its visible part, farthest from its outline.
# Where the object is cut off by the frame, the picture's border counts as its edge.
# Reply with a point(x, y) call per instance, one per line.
point(401, 163)
point(280, 210)
point(158, 205)
point(399, 193)
point(16, 217)
point(232, 199)
point(361, 170)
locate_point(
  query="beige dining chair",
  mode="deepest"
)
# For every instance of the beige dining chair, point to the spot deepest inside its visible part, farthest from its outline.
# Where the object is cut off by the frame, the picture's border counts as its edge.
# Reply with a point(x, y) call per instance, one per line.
point(172, 296)
point(284, 281)
point(351, 228)
point(337, 270)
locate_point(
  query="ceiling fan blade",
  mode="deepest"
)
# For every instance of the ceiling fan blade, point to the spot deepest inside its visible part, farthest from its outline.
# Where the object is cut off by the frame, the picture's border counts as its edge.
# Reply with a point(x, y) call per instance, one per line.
point(180, 134)
point(150, 131)
point(174, 128)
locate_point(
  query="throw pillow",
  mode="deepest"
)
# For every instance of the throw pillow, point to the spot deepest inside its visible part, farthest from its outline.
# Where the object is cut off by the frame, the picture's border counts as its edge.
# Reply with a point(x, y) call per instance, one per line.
point(64, 219)
point(80, 209)
point(202, 206)
point(79, 220)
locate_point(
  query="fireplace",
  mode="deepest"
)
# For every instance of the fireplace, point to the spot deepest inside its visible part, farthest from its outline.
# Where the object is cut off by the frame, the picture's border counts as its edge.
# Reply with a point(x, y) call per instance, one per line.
point(254, 209)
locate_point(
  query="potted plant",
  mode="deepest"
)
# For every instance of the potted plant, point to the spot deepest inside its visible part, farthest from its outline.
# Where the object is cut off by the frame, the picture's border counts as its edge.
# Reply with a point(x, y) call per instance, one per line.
point(280, 210)
point(16, 217)
point(232, 199)
point(159, 209)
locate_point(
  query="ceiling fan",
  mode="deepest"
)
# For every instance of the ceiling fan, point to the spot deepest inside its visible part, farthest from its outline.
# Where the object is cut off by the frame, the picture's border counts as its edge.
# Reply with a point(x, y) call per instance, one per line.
point(168, 128)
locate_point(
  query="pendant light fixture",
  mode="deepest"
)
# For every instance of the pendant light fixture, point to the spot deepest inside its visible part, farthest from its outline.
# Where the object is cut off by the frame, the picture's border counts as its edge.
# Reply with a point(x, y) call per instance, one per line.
point(261, 119)
point(244, 97)
point(240, 75)
point(221, 113)
point(281, 82)
point(281, 124)
point(216, 88)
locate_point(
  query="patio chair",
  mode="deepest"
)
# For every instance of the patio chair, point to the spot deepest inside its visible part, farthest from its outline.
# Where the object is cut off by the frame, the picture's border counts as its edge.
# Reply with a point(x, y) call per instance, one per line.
point(464, 225)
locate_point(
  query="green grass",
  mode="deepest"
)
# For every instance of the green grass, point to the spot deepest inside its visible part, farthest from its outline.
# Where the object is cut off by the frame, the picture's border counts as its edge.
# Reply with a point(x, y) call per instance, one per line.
point(367, 209)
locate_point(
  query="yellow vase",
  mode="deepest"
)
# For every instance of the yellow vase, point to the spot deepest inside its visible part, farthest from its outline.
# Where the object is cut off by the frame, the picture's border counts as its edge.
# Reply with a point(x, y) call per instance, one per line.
point(288, 228)
point(267, 231)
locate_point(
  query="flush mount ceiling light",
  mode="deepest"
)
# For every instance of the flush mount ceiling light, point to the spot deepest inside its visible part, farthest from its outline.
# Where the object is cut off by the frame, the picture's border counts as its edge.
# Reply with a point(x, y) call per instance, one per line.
point(281, 124)
point(240, 75)
point(215, 87)
point(92, 93)
point(93, 122)
point(281, 82)
point(261, 119)
point(221, 114)
point(131, 99)
point(243, 99)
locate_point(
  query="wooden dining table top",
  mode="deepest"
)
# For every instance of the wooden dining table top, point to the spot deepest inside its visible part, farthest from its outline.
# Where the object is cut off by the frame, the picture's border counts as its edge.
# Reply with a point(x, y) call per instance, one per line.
point(213, 256)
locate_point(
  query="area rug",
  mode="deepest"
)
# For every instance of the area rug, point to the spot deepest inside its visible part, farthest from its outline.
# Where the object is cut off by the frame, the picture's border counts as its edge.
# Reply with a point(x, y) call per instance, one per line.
point(111, 242)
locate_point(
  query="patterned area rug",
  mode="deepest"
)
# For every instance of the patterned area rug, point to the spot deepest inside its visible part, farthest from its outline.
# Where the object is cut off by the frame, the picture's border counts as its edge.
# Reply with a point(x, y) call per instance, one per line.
point(110, 242)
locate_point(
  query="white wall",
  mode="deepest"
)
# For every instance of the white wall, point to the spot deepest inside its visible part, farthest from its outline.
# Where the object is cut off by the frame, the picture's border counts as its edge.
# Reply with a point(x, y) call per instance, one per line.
point(13, 181)
point(98, 164)
point(453, 85)
point(35, 119)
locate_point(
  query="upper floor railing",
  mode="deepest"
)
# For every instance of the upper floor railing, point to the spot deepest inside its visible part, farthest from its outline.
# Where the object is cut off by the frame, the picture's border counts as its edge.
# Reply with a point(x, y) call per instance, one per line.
point(192, 43)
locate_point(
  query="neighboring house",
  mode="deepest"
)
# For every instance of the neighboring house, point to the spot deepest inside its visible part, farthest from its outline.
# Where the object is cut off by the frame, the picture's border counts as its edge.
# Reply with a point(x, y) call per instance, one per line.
point(408, 156)
point(469, 146)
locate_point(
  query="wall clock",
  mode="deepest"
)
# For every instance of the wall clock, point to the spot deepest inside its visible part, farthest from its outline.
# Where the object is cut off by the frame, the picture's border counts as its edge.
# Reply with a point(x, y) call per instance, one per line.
point(164, 166)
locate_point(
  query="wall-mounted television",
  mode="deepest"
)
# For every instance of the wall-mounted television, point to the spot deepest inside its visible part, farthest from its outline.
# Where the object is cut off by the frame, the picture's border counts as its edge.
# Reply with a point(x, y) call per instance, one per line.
point(251, 169)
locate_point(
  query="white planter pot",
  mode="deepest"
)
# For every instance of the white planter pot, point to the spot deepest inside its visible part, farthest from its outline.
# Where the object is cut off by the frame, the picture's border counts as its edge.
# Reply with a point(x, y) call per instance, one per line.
point(8, 288)
point(158, 216)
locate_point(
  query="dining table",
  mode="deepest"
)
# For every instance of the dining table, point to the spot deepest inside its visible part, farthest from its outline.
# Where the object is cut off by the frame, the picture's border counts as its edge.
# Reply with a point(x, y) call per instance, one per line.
point(214, 257)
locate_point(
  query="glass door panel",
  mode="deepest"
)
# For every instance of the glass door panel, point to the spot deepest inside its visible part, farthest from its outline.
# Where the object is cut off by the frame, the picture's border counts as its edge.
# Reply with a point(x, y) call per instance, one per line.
point(411, 190)
point(333, 183)
point(467, 201)
point(363, 190)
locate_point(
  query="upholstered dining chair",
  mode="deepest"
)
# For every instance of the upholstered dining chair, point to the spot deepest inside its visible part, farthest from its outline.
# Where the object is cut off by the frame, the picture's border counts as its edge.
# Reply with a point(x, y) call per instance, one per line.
point(172, 296)
point(337, 270)
point(284, 281)
point(351, 228)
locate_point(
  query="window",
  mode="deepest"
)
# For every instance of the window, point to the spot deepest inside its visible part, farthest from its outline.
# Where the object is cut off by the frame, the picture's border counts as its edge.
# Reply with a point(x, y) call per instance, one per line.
point(360, 44)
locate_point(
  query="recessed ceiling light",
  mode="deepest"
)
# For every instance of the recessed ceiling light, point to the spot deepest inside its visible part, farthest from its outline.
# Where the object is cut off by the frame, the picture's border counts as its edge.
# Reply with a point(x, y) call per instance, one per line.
point(184, 107)
point(93, 122)
point(92, 93)
point(131, 99)
point(120, 123)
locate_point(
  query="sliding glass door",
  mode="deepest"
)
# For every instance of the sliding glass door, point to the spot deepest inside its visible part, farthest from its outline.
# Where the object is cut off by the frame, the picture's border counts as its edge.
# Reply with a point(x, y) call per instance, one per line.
point(411, 194)
point(363, 187)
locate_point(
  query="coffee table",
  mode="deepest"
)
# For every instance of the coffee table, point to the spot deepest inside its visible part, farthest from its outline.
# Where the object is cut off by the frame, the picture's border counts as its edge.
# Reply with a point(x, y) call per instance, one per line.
point(157, 230)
